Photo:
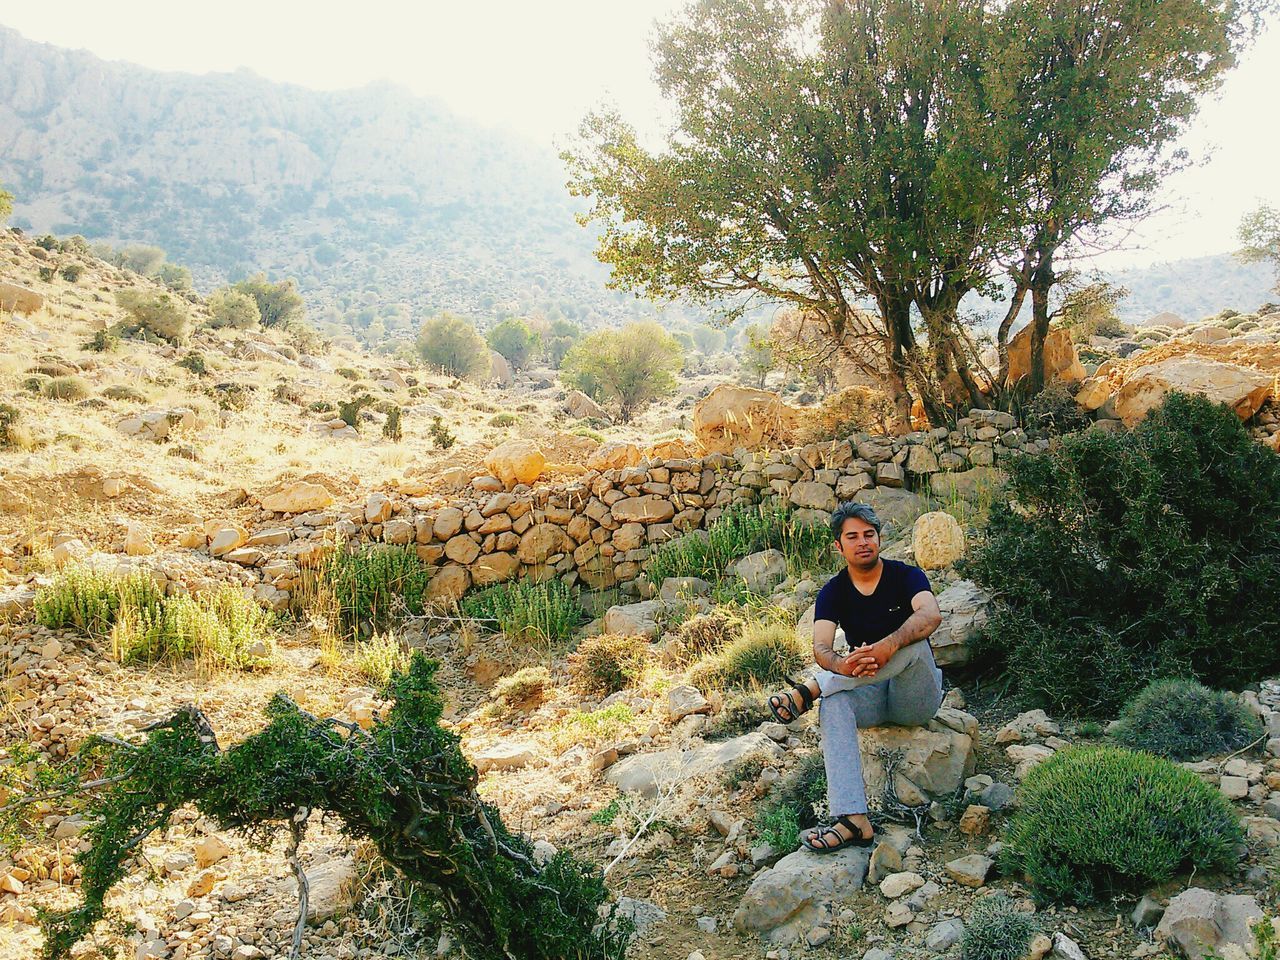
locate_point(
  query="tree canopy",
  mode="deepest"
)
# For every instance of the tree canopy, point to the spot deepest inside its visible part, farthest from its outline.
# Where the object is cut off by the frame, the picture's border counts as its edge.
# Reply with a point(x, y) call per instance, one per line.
point(279, 304)
point(1260, 234)
point(453, 345)
point(628, 368)
point(515, 341)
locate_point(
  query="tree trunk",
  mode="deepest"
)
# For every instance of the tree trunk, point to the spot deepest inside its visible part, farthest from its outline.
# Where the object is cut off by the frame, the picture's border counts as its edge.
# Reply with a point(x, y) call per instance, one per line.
point(1042, 281)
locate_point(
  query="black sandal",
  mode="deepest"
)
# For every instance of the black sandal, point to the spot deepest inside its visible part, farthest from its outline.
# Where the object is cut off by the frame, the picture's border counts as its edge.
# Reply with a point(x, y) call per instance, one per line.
point(856, 840)
point(782, 701)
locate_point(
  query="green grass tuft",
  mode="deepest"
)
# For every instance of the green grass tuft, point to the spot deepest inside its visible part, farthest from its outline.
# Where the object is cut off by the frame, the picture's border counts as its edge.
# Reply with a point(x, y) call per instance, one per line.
point(547, 612)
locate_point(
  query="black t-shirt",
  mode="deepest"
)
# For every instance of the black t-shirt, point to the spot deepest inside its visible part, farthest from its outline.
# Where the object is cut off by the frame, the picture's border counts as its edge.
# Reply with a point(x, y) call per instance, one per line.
point(867, 619)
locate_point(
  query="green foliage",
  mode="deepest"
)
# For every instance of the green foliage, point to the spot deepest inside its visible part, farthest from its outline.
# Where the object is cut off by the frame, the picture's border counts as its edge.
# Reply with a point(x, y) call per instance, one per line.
point(372, 586)
point(523, 688)
point(1090, 310)
point(102, 341)
point(452, 345)
point(630, 367)
point(391, 428)
point(608, 663)
point(746, 770)
point(9, 417)
point(504, 420)
point(175, 277)
point(442, 437)
point(513, 339)
point(233, 309)
point(1259, 235)
point(380, 656)
point(279, 304)
point(559, 340)
point(222, 628)
point(1132, 556)
point(160, 315)
point(794, 805)
point(6, 204)
point(72, 272)
point(65, 388)
point(764, 655)
point(349, 410)
point(1055, 409)
point(88, 600)
point(702, 634)
point(997, 930)
point(1092, 821)
point(608, 724)
point(122, 391)
point(606, 814)
point(194, 361)
point(140, 258)
point(405, 785)
point(546, 612)
point(1185, 720)
point(347, 373)
point(740, 714)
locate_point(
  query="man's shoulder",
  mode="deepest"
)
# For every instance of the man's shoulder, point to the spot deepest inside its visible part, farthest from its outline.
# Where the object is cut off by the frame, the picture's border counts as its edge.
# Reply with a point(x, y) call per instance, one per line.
point(906, 573)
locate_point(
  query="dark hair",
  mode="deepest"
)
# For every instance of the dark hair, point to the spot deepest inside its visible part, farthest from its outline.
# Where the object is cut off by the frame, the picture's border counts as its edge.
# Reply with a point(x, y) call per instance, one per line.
point(850, 510)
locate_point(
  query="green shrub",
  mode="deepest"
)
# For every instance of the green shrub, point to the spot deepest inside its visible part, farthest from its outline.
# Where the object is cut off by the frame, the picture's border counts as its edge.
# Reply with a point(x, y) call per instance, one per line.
point(523, 688)
point(746, 770)
point(349, 410)
point(65, 388)
point(1185, 720)
point(391, 428)
point(702, 634)
point(1132, 556)
point(285, 392)
point(347, 373)
point(1093, 821)
point(72, 272)
point(102, 341)
point(194, 361)
point(740, 714)
point(223, 628)
point(794, 805)
point(233, 309)
point(441, 437)
point(46, 273)
point(380, 656)
point(1055, 409)
point(320, 406)
point(161, 315)
point(513, 339)
point(9, 418)
point(504, 420)
point(279, 304)
point(546, 612)
point(608, 663)
point(997, 930)
point(764, 655)
point(452, 345)
point(373, 585)
point(122, 391)
point(88, 600)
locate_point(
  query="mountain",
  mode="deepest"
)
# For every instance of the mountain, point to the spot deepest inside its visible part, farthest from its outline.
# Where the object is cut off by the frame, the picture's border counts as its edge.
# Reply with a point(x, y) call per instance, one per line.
point(1195, 287)
point(368, 197)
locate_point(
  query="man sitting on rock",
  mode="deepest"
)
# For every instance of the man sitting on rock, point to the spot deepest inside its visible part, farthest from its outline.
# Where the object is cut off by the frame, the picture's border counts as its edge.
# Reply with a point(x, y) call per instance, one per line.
point(886, 609)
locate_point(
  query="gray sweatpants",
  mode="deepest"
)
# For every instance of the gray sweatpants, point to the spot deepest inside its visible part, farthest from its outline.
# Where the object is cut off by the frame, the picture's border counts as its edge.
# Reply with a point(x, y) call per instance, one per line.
point(907, 690)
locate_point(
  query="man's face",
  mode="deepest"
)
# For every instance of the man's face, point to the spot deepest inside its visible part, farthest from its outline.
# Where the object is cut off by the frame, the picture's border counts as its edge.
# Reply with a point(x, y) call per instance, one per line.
point(859, 544)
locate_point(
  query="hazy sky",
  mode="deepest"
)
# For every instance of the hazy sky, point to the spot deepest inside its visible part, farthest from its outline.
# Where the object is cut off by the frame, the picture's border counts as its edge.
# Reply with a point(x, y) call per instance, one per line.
point(537, 67)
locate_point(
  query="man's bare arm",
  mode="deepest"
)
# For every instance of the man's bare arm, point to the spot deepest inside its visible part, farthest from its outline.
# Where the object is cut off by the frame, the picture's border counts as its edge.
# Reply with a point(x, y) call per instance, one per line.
point(926, 619)
point(824, 638)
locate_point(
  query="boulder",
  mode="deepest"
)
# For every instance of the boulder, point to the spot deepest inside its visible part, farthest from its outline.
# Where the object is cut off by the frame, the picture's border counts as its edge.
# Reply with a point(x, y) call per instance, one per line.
point(762, 571)
point(1061, 361)
point(964, 611)
point(785, 902)
point(675, 448)
point(516, 461)
point(635, 619)
point(897, 509)
point(494, 568)
point(808, 495)
point(1093, 393)
point(731, 417)
point(647, 773)
point(935, 759)
point(300, 497)
point(499, 370)
point(137, 541)
point(614, 456)
point(647, 509)
point(16, 299)
point(449, 583)
point(937, 540)
point(1243, 389)
point(541, 541)
point(1198, 922)
point(970, 870)
point(503, 756)
point(685, 700)
point(579, 406)
point(332, 889)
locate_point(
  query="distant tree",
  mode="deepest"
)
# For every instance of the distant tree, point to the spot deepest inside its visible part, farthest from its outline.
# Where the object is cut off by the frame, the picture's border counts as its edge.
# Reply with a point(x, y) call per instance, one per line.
point(233, 308)
point(174, 277)
point(162, 315)
point(1260, 234)
point(514, 340)
point(6, 204)
point(757, 354)
point(279, 304)
point(1090, 310)
point(559, 339)
point(708, 339)
point(140, 258)
point(630, 367)
point(453, 345)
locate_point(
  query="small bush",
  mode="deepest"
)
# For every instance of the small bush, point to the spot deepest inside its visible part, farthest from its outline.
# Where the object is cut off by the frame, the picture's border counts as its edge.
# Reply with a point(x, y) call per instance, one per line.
point(9, 428)
point(225, 628)
point(391, 428)
point(997, 930)
point(372, 585)
point(1055, 409)
point(796, 804)
point(504, 420)
point(65, 388)
point(746, 770)
point(89, 600)
point(380, 656)
point(606, 664)
point(546, 612)
point(349, 410)
point(194, 361)
point(1093, 821)
point(523, 689)
point(702, 634)
point(320, 406)
point(348, 374)
point(452, 345)
point(285, 392)
point(161, 315)
point(72, 272)
point(740, 714)
point(233, 310)
point(122, 391)
point(46, 273)
point(36, 382)
point(763, 656)
point(1185, 720)
point(102, 341)
point(441, 437)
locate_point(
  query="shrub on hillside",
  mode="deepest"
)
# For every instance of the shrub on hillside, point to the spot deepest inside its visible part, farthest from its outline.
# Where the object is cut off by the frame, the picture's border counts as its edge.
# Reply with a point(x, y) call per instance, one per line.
point(546, 612)
point(764, 655)
point(1055, 409)
point(279, 304)
point(349, 410)
point(380, 656)
point(998, 930)
point(11, 432)
point(225, 628)
point(701, 635)
point(442, 438)
point(88, 600)
point(453, 345)
point(366, 588)
point(1185, 720)
point(513, 339)
point(122, 391)
point(1133, 556)
point(194, 362)
point(160, 315)
point(72, 272)
point(523, 689)
point(740, 714)
point(608, 663)
point(102, 341)
point(1093, 821)
point(233, 309)
point(391, 428)
point(65, 388)
point(794, 805)
point(629, 368)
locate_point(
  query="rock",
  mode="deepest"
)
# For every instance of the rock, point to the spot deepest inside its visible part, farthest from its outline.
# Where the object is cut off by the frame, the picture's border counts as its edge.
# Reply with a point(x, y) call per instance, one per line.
point(1061, 360)
point(646, 509)
point(333, 889)
point(1242, 389)
point(202, 884)
point(516, 461)
point(937, 540)
point(817, 936)
point(900, 884)
point(226, 538)
point(935, 759)
point(1093, 393)
point(897, 509)
point(1198, 922)
point(301, 497)
point(449, 583)
point(210, 850)
point(808, 495)
point(1234, 788)
point(377, 508)
point(973, 485)
point(899, 914)
point(494, 568)
point(503, 756)
point(579, 406)
point(683, 588)
point(921, 460)
point(635, 619)
point(1147, 913)
point(544, 852)
point(16, 299)
point(970, 870)
point(646, 773)
point(1262, 830)
point(1064, 948)
point(885, 861)
point(685, 700)
point(731, 417)
point(762, 571)
point(1041, 944)
point(945, 935)
point(541, 541)
point(614, 455)
point(976, 820)
point(964, 610)
point(643, 914)
point(785, 902)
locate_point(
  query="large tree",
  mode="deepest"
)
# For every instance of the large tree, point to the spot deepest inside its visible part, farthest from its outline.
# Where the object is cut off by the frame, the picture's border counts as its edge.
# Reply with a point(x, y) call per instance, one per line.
point(629, 368)
point(1260, 234)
